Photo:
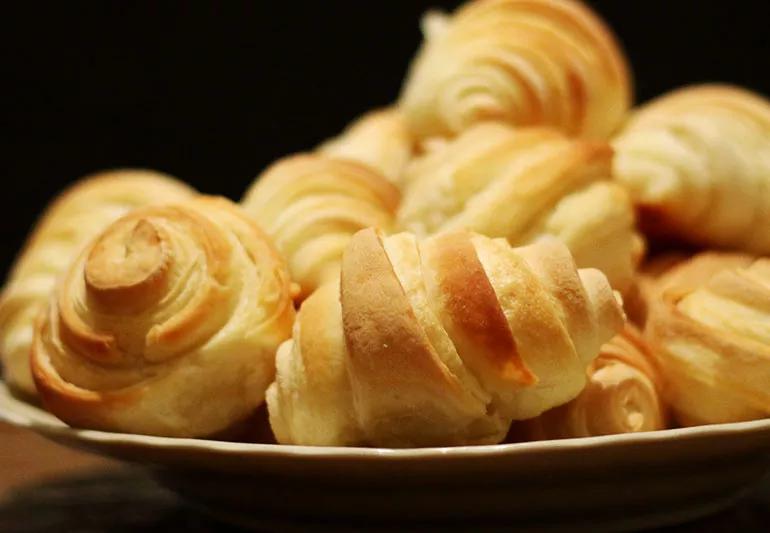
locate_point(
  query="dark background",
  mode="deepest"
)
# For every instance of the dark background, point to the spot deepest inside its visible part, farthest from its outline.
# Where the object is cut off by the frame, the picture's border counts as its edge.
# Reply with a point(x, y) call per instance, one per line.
point(213, 91)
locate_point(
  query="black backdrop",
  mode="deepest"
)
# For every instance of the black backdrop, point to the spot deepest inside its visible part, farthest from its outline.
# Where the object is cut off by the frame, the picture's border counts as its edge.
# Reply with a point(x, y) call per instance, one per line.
point(213, 91)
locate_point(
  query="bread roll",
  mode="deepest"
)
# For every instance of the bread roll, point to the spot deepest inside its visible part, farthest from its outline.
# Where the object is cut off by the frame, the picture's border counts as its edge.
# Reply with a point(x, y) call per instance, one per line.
point(521, 185)
point(623, 395)
point(438, 342)
point(379, 139)
point(311, 205)
point(166, 324)
point(675, 269)
point(697, 163)
point(67, 224)
point(709, 330)
point(650, 277)
point(524, 62)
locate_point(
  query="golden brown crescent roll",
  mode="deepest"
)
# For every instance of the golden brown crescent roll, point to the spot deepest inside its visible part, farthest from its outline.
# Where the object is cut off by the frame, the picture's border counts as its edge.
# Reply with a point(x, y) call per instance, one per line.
point(623, 395)
point(697, 163)
point(67, 224)
point(710, 330)
point(524, 62)
point(311, 204)
point(438, 342)
point(521, 185)
point(379, 139)
point(166, 324)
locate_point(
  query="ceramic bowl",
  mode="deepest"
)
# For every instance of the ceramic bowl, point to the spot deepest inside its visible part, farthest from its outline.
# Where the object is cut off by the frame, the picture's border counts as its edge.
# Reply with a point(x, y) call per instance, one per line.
point(601, 483)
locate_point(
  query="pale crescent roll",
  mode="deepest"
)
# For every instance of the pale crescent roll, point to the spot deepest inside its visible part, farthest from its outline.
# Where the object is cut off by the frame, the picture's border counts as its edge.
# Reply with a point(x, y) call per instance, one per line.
point(311, 204)
point(438, 342)
point(649, 278)
point(379, 139)
point(525, 62)
point(66, 225)
point(697, 163)
point(624, 394)
point(711, 334)
point(166, 324)
point(522, 185)
point(658, 272)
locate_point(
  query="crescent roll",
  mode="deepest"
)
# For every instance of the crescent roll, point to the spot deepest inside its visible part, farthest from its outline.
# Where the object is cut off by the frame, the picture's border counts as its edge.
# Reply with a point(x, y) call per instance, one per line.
point(711, 336)
point(166, 324)
point(624, 394)
point(524, 62)
point(438, 342)
point(67, 224)
point(311, 204)
point(521, 185)
point(379, 139)
point(650, 277)
point(697, 163)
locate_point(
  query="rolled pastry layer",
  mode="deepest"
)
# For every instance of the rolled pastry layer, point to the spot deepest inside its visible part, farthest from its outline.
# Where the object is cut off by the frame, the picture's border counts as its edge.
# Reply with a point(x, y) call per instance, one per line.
point(525, 62)
point(64, 228)
point(166, 324)
point(439, 342)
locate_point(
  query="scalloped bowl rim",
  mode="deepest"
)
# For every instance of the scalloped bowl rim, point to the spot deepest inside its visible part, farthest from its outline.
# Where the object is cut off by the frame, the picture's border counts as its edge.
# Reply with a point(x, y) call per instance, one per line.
point(12, 411)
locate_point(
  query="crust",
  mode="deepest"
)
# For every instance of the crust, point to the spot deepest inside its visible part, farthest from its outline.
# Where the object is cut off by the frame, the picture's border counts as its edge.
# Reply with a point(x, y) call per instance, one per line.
point(144, 365)
point(474, 318)
point(390, 355)
point(715, 373)
point(577, 77)
point(310, 204)
point(379, 139)
point(65, 226)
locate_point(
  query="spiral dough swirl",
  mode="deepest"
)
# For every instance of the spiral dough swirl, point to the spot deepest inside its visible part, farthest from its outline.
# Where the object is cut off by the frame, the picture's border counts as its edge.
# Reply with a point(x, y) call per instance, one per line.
point(166, 324)
point(524, 62)
point(75, 217)
point(624, 394)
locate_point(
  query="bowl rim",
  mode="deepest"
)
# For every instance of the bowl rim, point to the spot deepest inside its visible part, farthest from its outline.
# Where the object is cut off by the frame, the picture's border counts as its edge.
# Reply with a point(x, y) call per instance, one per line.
point(12, 411)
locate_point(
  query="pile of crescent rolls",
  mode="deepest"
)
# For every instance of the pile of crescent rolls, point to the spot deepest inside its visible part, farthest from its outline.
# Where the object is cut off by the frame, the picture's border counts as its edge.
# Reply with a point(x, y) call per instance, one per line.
point(471, 265)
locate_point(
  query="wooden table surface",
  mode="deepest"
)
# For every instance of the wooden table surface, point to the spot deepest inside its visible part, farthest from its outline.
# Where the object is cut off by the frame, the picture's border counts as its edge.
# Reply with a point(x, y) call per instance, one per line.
point(47, 488)
point(27, 458)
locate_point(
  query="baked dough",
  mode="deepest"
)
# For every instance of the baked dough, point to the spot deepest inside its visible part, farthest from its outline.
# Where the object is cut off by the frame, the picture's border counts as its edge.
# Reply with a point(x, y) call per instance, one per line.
point(66, 225)
point(524, 184)
point(624, 394)
point(524, 62)
point(709, 330)
point(697, 163)
point(166, 324)
point(380, 139)
point(650, 277)
point(439, 342)
point(311, 204)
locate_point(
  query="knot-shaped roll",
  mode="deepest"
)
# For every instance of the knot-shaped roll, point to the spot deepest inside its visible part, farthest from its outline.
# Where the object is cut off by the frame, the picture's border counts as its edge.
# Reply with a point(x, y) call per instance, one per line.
point(380, 139)
point(439, 342)
point(521, 185)
point(624, 394)
point(166, 324)
point(712, 339)
point(311, 204)
point(525, 62)
point(66, 225)
point(697, 163)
